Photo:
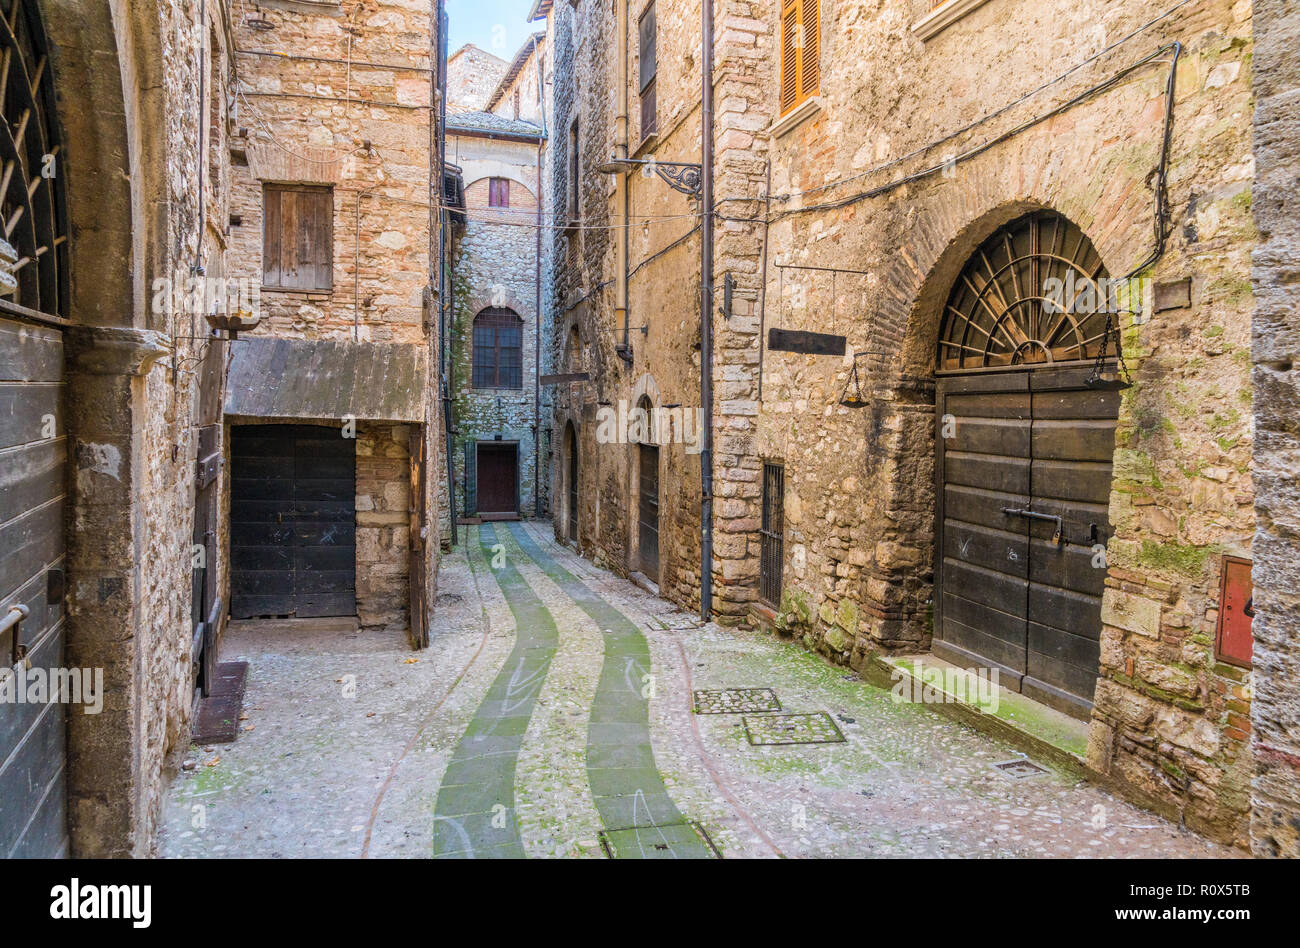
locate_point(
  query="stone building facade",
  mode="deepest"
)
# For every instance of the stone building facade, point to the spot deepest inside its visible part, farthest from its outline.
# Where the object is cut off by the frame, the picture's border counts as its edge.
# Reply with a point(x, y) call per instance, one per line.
point(99, 494)
point(334, 216)
point(861, 201)
point(1275, 710)
point(496, 291)
point(157, 126)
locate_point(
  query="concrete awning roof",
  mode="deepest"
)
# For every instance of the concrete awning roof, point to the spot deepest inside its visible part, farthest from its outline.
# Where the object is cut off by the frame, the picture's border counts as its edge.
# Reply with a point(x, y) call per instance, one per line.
point(297, 378)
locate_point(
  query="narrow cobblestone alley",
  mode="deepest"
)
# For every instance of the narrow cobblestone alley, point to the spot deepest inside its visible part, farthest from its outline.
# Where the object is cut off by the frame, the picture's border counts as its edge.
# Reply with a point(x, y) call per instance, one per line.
point(554, 711)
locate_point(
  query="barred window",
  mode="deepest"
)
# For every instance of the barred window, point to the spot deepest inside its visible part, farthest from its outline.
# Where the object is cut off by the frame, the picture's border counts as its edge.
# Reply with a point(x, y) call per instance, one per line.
point(498, 349)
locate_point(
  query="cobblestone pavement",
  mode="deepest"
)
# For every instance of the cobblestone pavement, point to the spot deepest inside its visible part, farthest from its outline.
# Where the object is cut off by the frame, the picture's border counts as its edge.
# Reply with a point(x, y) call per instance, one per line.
point(554, 715)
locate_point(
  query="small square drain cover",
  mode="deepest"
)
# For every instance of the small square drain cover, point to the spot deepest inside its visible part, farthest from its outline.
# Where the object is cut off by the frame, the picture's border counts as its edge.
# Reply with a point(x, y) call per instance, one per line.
point(815, 728)
point(736, 701)
point(686, 840)
point(677, 621)
point(1020, 769)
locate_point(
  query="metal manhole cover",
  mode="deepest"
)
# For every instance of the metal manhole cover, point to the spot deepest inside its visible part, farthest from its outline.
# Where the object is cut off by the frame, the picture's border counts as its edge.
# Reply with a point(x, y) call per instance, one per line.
point(814, 728)
point(685, 840)
point(1019, 769)
point(736, 701)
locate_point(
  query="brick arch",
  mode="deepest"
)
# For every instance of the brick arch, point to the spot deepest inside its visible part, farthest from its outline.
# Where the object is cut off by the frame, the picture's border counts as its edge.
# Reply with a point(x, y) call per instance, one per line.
point(895, 590)
point(498, 296)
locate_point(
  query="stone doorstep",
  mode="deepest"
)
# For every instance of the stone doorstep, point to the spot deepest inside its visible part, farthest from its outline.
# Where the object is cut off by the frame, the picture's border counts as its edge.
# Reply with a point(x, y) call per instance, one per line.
point(1033, 727)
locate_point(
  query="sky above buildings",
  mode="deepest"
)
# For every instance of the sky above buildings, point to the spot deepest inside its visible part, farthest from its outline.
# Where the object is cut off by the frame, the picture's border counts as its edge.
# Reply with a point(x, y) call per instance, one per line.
point(498, 26)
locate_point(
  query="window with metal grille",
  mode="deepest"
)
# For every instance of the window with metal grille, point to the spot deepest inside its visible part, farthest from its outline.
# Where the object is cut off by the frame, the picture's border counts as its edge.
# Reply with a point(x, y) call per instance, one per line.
point(498, 349)
point(800, 52)
point(648, 67)
point(498, 192)
point(772, 534)
point(298, 237)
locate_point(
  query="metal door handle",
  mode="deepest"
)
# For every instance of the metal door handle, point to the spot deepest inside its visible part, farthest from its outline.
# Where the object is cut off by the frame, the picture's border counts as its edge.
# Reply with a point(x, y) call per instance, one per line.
point(1058, 537)
point(14, 620)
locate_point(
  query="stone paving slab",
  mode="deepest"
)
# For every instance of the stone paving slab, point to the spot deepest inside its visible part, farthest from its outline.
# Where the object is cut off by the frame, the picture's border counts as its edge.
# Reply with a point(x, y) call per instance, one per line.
point(352, 744)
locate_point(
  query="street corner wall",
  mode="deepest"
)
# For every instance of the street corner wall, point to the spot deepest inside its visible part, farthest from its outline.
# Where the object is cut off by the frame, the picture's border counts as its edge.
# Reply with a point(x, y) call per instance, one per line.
point(1171, 719)
point(1275, 708)
point(383, 502)
point(343, 102)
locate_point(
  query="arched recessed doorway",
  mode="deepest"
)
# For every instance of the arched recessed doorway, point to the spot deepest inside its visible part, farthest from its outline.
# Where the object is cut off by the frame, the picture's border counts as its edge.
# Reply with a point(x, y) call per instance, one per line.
point(648, 496)
point(1023, 454)
point(571, 450)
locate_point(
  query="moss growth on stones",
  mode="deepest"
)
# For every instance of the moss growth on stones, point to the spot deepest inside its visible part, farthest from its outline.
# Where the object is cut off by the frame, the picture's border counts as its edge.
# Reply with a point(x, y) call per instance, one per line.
point(1171, 557)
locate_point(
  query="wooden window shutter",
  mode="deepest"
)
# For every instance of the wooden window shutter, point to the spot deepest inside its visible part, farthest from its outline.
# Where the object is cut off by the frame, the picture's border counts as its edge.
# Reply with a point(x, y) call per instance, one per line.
point(789, 55)
point(810, 56)
point(298, 238)
point(800, 52)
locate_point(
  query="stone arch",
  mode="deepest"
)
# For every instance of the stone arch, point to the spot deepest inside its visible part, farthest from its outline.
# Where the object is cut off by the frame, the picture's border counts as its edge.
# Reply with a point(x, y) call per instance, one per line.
point(510, 175)
point(115, 157)
point(897, 585)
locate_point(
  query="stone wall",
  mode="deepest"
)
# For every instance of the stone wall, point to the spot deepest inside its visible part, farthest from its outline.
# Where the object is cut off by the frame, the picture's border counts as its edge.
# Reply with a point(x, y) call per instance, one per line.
point(383, 525)
point(472, 76)
point(1275, 710)
point(496, 265)
point(343, 98)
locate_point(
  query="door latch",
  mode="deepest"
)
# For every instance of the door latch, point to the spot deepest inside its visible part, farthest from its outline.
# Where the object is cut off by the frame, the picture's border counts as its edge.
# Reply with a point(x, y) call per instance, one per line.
point(1058, 536)
point(13, 621)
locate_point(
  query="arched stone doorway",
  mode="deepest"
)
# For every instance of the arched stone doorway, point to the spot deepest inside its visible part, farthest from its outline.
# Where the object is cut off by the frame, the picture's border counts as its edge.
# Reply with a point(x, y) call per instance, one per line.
point(646, 466)
point(571, 483)
point(1024, 445)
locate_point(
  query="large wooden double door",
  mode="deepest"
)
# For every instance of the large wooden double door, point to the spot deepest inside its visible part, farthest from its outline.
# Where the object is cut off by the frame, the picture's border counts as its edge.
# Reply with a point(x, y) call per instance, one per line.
point(1024, 476)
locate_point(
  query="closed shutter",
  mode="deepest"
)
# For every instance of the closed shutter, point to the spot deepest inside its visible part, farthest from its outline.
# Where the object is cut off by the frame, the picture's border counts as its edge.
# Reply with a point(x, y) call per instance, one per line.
point(647, 68)
point(800, 52)
point(298, 238)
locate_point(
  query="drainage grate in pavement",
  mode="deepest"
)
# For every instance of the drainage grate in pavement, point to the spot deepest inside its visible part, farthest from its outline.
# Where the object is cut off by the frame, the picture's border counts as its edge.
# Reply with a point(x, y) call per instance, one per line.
point(736, 701)
point(814, 728)
point(669, 841)
point(217, 721)
point(1019, 769)
point(677, 621)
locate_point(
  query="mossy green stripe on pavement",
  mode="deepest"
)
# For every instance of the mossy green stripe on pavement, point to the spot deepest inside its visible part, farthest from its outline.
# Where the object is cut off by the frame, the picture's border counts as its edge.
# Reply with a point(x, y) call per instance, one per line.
point(641, 819)
point(474, 814)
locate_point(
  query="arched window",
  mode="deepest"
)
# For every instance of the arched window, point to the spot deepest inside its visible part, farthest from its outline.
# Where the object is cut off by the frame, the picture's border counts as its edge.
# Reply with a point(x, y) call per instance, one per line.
point(498, 349)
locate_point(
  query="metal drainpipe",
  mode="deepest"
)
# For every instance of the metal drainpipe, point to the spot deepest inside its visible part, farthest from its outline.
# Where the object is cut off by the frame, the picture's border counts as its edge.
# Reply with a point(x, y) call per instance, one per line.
point(444, 221)
point(537, 272)
point(621, 150)
point(706, 314)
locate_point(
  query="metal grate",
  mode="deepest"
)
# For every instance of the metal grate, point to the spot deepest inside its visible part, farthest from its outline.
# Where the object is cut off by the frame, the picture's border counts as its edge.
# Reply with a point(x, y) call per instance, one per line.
point(736, 701)
point(666, 841)
point(772, 532)
point(1034, 292)
point(1019, 769)
point(815, 728)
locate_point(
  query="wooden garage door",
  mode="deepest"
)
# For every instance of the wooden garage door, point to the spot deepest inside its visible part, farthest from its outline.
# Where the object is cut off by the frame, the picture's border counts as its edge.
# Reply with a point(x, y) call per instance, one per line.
point(33, 461)
point(498, 479)
point(1017, 589)
point(292, 521)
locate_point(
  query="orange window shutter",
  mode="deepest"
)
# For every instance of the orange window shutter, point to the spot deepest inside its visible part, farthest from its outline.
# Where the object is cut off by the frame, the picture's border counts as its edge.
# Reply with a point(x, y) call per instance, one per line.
point(789, 54)
point(810, 58)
